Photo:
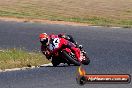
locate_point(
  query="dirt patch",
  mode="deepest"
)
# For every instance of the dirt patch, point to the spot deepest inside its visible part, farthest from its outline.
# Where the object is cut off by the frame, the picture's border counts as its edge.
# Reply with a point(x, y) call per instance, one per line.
point(42, 21)
point(73, 12)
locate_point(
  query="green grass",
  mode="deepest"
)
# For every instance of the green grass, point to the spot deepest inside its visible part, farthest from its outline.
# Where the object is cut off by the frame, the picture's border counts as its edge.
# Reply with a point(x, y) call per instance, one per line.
point(95, 12)
point(13, 58)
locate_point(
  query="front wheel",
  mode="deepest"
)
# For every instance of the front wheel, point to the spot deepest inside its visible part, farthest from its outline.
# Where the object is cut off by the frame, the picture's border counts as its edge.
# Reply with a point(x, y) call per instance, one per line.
point(86, 61)
point(70, 58)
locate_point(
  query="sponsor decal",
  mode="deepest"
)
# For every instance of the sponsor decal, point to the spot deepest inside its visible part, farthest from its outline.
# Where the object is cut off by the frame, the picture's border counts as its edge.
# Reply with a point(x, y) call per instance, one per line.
point(83, 78)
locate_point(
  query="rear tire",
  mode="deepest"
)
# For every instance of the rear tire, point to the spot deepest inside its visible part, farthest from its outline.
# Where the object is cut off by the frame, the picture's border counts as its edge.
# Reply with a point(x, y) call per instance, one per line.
point(70, 59)
point(55, 63)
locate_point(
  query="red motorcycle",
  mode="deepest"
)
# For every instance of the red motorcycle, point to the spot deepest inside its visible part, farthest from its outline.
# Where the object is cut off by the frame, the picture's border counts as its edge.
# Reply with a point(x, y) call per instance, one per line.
point(63, 54)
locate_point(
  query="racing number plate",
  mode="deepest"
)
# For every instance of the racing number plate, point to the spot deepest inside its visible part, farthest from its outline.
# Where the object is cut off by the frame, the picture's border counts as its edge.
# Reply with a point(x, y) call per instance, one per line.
point(54, 44)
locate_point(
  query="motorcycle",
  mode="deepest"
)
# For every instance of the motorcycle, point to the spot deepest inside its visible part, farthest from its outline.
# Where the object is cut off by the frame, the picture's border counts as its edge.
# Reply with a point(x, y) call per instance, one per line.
point(63, 54)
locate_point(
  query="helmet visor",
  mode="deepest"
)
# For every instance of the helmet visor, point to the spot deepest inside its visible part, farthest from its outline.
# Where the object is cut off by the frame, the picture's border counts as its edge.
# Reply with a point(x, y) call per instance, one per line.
point(44, 41)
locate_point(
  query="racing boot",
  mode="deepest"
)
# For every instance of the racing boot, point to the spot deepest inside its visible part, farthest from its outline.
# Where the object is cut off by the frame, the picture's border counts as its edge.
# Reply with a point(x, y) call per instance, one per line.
point(80, 47)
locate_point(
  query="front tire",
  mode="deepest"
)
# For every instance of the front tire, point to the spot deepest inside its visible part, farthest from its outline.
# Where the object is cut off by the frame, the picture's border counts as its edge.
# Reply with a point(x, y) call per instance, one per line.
point(71, 59)
point(86, 61)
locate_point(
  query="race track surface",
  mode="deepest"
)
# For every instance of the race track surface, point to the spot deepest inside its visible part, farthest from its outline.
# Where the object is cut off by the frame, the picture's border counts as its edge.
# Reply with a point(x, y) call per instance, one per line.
point(110, 51)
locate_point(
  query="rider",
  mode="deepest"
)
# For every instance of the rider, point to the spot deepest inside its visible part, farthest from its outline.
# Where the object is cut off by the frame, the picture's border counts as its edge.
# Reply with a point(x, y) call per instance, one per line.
point(45, 41)
point(70, 38)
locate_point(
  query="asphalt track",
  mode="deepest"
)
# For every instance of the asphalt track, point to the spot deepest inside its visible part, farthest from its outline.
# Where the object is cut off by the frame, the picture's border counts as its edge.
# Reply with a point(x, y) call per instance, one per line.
point(110, 50)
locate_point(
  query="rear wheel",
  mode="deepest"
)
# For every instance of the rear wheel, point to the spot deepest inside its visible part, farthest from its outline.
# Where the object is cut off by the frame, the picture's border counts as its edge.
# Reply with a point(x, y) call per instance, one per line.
point(54, 62)
point(71, 59)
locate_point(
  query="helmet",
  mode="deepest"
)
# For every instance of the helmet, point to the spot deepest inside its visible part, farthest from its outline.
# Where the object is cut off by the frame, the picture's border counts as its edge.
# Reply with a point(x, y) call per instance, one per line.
point(44, 39)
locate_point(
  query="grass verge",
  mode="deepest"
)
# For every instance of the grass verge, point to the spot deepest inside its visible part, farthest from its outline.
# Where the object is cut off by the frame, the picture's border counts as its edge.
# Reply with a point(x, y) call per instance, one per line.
point(95, 12)
point(14, 58)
